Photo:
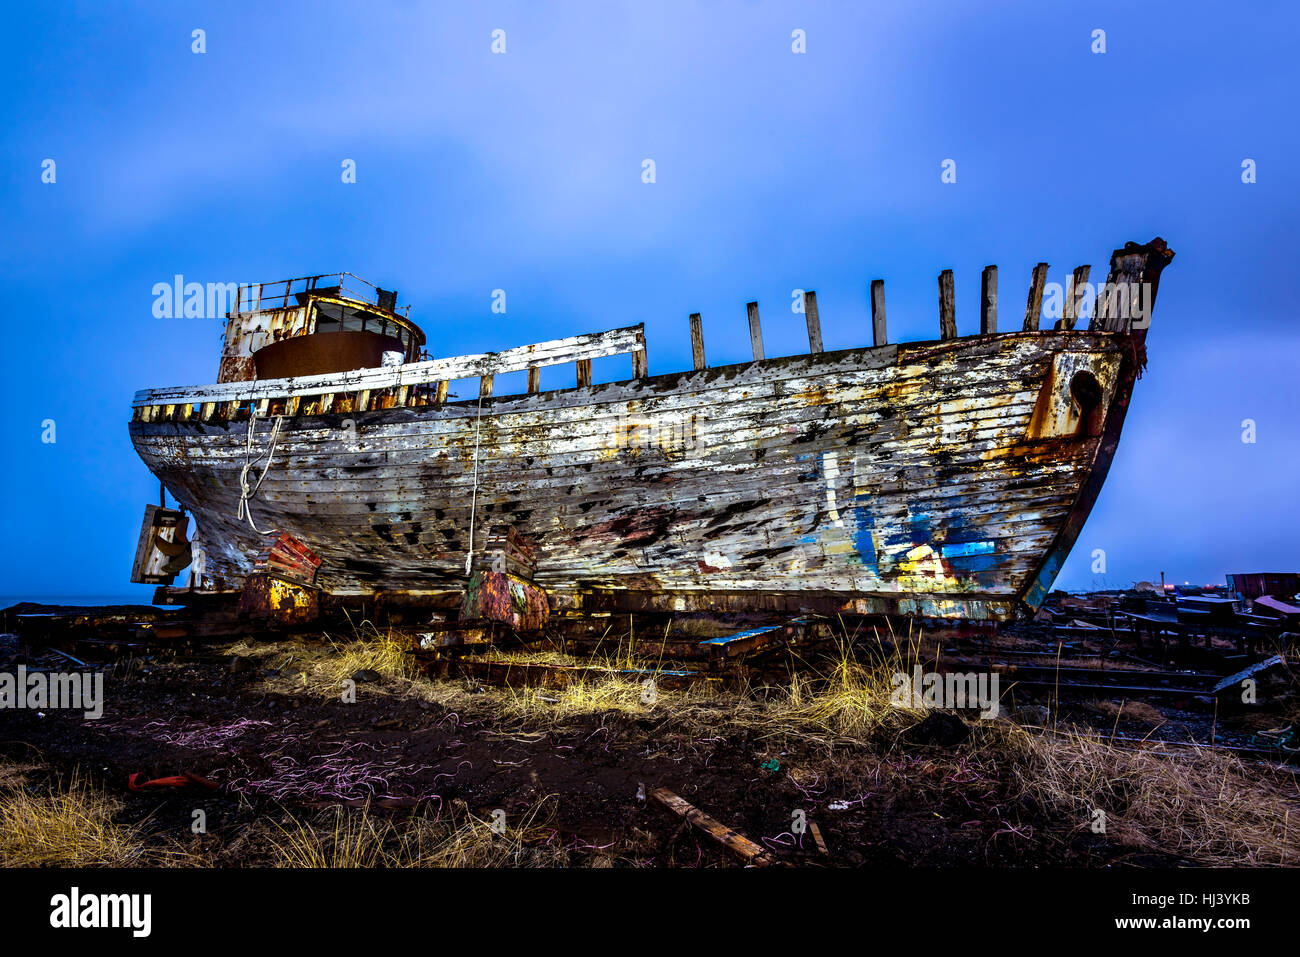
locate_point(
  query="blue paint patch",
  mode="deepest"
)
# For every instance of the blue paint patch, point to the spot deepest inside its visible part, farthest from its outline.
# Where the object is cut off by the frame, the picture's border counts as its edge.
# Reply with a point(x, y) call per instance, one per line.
point(725, 639)
point(966, 548)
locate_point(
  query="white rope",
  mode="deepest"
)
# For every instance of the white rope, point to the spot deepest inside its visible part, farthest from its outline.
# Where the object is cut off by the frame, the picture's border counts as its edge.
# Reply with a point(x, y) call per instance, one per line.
point(245, 492)
point(473, 505)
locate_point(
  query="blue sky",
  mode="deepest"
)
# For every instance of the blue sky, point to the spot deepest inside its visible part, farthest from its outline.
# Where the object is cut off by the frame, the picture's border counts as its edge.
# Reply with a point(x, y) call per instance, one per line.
point(522, 171)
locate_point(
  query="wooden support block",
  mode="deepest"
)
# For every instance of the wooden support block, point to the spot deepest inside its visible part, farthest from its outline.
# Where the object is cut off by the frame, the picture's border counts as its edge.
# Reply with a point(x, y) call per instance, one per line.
point(1074, 298)
point(534, 380)
point(878, 332)
point(714, 830)
point(1034, 307)
point(485, 387)
point(697, 341)
point(584, 372)
point(640, 364)
point(814, 321)
point(363, 401)
point(989, 301)
point(291, 406)
point(755, 331)
point(440, 395)
point(947, 307)
point(402, 394)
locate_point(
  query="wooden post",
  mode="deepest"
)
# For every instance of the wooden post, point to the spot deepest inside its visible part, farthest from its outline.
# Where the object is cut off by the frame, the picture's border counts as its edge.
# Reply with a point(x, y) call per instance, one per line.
point(534, 380)
point(1129, 294)
point(584, 372)
point(640, 364)
point(441, 395)
point(947, 307)
point(697, 341)
point(878, 331)
point(1034, 307)
point(485, 387)
point(989, 301)
point(755, 331)
point(814, 321)
point(1073, 298)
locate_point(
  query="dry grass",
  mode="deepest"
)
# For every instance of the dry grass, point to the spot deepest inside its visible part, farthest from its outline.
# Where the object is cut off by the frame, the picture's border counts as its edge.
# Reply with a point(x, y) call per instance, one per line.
point(1139, 712)
point(74, 827)
point(1194, 803)
point(340, 838)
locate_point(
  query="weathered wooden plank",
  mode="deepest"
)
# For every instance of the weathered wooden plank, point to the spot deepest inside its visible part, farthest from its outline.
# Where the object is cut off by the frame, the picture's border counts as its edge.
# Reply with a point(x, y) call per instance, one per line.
point(755, 330)
point(989, 301)
point(697, 342)
point(879, 335)
point(1073, 298)
point(554, 352)
point(947, 307)
point(1034, 307)
point(534, 380)
point(485, 386)
point(583, 367)
point(814, 322)
point(1127, 297)
point(714, 830)
point(640, 363)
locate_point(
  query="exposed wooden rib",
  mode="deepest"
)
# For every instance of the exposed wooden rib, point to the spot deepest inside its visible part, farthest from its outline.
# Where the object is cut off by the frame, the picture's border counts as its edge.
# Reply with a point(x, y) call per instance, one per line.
point(1073, 298)
point(989, 301)
point(878, 333)
point(584, 373)
point(697, 342)
point(947, 307)
point(534, 380)
point(755, 331)
point(1034, 307)
point(485, 386)
point(814, 321)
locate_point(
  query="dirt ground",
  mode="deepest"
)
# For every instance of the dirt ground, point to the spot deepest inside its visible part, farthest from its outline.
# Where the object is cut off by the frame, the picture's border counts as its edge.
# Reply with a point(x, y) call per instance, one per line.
point(417, 749)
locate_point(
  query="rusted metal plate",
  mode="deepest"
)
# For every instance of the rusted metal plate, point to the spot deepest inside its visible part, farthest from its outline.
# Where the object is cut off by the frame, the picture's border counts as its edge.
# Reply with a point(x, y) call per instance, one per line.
point(277, 601)
point(500, 596)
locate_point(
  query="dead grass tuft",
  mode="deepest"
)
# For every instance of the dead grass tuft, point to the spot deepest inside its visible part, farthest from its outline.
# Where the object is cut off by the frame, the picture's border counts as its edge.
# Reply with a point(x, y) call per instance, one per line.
point(74, 827)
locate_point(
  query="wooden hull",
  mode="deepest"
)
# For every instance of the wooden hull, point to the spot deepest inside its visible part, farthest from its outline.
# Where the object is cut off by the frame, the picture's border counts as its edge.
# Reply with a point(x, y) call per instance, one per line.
point(916, 479)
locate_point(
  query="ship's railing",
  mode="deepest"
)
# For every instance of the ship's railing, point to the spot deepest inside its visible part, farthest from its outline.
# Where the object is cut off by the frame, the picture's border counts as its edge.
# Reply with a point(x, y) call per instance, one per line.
point(398, 383)
point(254, 297)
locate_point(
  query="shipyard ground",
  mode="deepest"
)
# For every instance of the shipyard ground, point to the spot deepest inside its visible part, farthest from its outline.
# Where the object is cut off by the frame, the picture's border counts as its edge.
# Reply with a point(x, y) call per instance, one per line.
point(423, 771)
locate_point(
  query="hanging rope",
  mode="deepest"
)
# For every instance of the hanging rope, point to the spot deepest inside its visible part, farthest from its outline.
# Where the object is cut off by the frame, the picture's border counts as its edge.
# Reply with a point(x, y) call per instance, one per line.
point(473, 505)
point(246, 492)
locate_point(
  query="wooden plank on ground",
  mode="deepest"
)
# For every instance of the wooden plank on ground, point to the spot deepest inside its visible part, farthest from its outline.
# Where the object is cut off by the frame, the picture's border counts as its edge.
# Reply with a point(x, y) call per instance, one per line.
point(713, 829)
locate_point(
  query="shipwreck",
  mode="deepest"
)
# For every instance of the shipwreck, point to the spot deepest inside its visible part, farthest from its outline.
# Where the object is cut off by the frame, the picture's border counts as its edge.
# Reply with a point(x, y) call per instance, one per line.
point(946, 478)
